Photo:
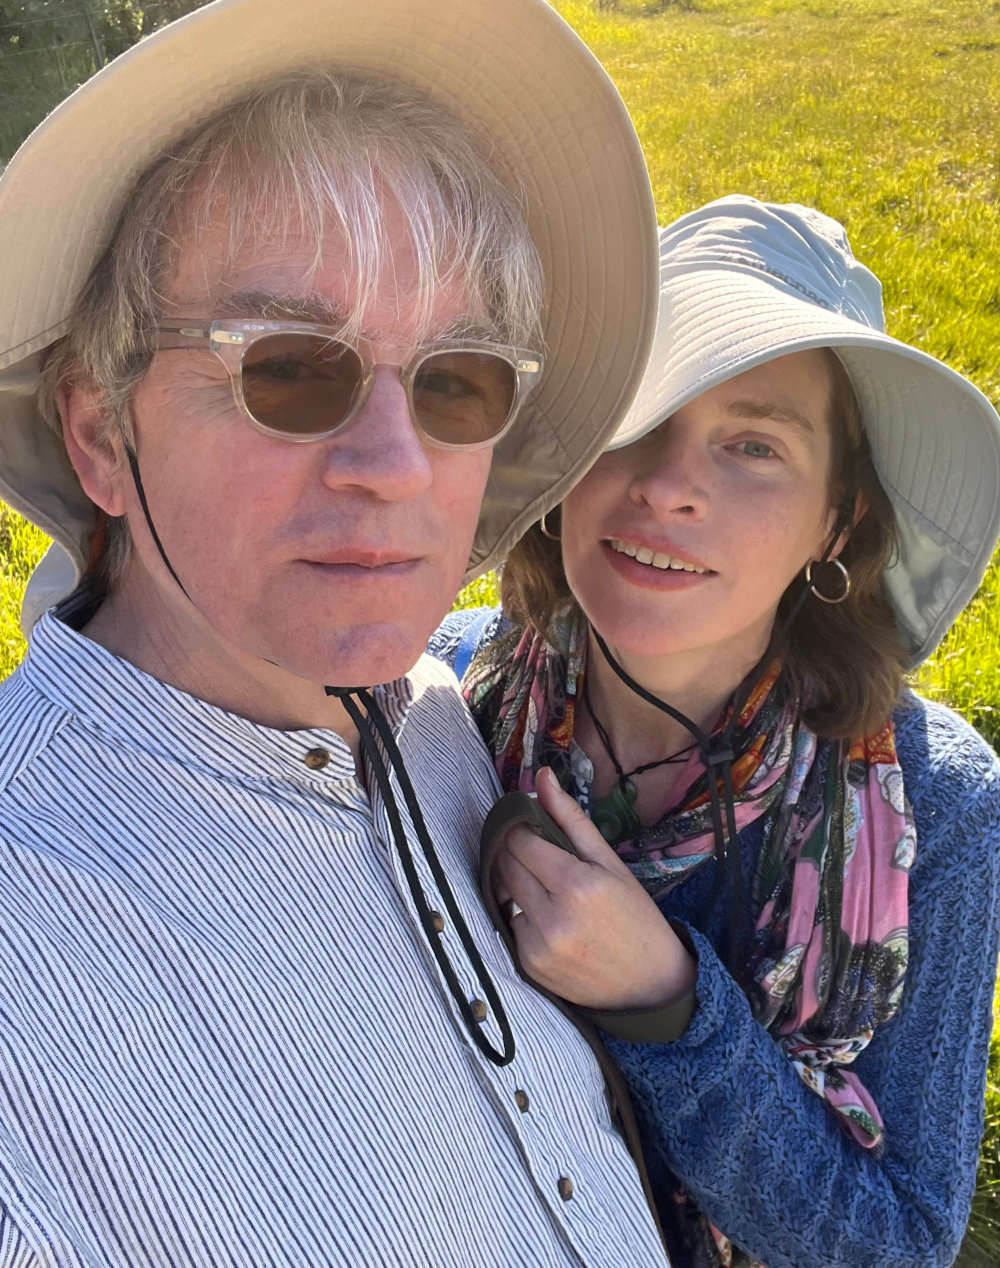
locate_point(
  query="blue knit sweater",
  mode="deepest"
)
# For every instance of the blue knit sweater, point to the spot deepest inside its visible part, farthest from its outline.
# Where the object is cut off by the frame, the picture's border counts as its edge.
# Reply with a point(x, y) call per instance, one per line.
point(723, 1109)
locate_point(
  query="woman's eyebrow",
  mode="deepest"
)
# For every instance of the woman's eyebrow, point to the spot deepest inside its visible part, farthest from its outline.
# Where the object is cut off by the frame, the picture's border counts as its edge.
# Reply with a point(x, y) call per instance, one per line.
point(772, 410)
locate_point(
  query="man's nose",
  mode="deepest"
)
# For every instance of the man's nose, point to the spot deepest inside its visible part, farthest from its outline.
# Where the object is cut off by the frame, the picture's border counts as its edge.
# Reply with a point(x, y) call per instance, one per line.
point(381, 451)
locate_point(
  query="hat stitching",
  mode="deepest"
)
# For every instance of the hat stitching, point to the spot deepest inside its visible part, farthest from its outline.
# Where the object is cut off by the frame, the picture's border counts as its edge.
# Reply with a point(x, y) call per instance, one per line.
point(32, 343)
point(918, 517)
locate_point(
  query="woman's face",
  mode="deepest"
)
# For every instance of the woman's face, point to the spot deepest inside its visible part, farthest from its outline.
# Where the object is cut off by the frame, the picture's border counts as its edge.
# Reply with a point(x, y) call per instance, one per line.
point(685, 540)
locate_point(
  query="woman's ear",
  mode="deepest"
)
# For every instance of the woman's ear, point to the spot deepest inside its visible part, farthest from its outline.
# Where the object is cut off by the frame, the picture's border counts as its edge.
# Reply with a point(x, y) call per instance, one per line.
point(844, 518)
point(93, 445)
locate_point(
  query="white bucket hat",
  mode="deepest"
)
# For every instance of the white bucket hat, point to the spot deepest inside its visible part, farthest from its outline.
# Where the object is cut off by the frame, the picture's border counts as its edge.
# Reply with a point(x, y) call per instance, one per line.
point(513, 71)
point(743, 282)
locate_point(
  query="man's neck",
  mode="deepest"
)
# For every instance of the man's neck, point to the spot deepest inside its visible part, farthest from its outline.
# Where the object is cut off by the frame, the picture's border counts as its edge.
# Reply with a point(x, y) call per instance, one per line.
point(158, 642)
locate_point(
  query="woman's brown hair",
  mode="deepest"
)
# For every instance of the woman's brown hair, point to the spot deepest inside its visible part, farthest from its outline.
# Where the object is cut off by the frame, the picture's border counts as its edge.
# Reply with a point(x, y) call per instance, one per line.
point(845, 661)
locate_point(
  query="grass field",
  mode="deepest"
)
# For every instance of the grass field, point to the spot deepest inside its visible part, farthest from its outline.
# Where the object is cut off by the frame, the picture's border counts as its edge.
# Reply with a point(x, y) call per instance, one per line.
point(882, 113)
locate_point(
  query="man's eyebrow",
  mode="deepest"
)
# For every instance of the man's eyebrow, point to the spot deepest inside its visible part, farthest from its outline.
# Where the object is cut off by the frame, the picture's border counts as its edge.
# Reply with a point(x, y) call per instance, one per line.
point(467, 328)
point(270, 306)
point(770, 409)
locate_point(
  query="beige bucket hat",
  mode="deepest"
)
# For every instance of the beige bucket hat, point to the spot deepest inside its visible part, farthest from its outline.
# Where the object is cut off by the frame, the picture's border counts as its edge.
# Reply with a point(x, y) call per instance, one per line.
point(514, 71)
point(743, 282)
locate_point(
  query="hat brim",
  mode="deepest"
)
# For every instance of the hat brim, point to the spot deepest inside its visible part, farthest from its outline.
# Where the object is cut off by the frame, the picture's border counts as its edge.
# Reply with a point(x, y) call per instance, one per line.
point(515, 72)
point(934, 436)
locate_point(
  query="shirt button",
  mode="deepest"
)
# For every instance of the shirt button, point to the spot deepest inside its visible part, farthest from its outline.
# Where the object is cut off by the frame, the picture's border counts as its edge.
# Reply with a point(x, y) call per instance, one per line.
point(521, 1101)
point(479, 1010)
point(565, 1187)
point(317, 758)
point(437, 922)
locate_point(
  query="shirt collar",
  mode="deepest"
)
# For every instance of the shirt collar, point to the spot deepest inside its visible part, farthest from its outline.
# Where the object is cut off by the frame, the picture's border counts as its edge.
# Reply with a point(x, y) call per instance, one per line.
point(131, 707)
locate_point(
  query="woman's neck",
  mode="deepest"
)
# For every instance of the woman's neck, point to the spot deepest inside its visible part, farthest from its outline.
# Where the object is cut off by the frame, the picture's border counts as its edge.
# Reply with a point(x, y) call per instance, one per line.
point(637, 732)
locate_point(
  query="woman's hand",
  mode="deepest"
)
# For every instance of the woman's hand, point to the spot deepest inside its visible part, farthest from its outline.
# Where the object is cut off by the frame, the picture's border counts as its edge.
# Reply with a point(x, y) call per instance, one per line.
point(587, 930)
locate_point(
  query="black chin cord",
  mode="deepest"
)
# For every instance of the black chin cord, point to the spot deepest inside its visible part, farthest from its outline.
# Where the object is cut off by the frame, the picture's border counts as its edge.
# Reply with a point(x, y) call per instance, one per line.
point(368, 720)
point(133, 463)
point(719, 755)
point(363, 720)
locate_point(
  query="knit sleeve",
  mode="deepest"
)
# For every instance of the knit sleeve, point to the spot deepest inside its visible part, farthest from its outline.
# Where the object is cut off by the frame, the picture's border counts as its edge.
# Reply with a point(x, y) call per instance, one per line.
point(462, 633)
point(724, 1110)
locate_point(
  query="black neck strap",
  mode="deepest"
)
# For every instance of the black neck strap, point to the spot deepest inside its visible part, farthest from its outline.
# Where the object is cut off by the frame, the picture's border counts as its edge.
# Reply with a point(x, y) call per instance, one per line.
point(369, 719)
point(621, 774)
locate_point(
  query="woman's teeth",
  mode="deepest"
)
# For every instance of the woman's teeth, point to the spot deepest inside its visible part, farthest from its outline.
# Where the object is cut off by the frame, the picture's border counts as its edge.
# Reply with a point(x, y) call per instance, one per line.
point(645, 556)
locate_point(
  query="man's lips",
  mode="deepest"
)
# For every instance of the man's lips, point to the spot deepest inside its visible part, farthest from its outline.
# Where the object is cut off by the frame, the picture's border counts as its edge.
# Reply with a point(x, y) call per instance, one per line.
point(363, 570)
point(373, 560)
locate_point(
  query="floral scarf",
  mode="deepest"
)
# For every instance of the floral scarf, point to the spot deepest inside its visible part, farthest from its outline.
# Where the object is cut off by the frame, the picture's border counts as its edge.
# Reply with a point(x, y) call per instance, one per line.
point(828, 953)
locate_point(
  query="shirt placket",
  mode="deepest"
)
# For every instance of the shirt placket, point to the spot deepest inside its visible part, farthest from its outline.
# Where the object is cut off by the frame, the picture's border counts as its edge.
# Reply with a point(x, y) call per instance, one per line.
point(522, 1092)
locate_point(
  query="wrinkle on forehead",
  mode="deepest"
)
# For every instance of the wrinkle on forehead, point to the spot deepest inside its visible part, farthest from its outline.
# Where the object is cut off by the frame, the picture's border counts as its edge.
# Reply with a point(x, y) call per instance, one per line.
point(319, 309)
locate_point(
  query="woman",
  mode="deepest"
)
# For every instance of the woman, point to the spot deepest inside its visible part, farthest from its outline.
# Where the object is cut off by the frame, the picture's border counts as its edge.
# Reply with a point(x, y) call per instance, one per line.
point(792, 514)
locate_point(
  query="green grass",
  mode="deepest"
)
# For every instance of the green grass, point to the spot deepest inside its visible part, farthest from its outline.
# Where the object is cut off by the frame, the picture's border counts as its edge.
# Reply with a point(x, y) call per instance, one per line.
point(21, 547)
point(882, 113)
point(965, 670)
point(886, 115)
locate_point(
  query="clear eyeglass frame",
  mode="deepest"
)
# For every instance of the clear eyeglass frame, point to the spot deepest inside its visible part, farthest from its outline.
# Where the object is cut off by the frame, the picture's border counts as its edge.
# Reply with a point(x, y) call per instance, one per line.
point(231, 338)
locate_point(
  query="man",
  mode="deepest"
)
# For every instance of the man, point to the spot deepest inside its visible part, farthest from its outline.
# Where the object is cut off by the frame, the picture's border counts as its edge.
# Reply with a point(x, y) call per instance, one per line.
point(270, 329)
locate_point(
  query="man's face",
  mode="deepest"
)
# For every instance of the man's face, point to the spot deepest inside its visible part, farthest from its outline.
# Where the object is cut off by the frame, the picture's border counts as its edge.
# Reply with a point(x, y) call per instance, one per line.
point(333, 559)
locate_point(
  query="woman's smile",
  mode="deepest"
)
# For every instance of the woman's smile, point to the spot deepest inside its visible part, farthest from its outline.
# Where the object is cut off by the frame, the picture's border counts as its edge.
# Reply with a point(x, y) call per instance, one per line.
point(655, 558)
point(654, 570)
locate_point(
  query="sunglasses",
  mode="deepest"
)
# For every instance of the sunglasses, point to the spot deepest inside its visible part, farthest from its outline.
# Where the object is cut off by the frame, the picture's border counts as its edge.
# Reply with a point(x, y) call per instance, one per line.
point(303, 382)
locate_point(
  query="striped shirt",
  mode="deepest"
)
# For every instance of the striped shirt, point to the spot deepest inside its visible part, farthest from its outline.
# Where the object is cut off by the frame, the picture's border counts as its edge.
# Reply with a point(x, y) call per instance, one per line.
point(223, 1038)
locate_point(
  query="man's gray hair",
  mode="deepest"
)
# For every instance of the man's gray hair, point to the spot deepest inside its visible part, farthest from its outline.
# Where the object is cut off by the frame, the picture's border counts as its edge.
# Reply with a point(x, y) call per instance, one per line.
point(311, 153)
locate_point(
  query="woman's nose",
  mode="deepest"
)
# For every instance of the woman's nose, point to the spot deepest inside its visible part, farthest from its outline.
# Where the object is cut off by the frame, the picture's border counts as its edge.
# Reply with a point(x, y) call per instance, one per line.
point(673, 474)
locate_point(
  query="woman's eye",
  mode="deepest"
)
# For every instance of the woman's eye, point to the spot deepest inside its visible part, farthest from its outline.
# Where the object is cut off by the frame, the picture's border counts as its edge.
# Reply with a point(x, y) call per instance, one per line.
point(756, 449)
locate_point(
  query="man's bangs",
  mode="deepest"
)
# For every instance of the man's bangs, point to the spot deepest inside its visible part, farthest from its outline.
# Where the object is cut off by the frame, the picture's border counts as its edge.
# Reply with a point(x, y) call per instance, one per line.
point(367, 163)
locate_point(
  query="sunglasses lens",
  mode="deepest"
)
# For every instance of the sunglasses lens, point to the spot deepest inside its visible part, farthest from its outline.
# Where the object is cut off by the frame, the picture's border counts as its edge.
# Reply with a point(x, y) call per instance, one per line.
point(306, 385)
point(463, 398)
point(300, 384)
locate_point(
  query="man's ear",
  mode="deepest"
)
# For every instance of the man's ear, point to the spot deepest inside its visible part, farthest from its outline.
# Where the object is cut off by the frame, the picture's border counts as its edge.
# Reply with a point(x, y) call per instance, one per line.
point(94, 449)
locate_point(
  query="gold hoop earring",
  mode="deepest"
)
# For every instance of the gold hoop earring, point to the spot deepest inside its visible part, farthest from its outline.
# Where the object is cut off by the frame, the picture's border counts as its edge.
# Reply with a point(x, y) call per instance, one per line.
point(844, 575)
point(546, 531)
